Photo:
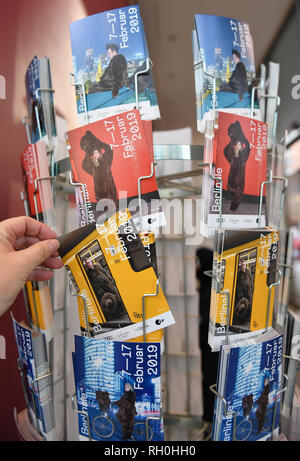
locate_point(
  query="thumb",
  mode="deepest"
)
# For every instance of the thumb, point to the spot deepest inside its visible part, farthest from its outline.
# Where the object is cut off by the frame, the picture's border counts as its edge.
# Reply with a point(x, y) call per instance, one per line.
point(36, 254)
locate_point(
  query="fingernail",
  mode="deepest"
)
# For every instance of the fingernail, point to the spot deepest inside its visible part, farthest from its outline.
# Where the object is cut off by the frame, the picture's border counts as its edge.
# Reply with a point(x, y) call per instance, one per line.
point(54, 245)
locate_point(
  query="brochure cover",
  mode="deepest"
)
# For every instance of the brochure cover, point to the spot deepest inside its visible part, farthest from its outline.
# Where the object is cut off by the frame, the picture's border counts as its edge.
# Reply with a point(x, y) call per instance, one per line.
point(119, 386)
point(227, 59)
point(40, 101)
point(244, 268)
point(249, 379)
point(109, 267)
point(33, 364)
point(240, 168)
point(39, 193)
point(110, 62)
point(107, 158)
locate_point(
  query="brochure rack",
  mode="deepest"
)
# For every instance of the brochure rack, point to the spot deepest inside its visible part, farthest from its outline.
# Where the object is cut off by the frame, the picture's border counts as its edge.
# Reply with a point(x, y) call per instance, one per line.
point(164, 152)
point(245, 427)
point(34, 384)
point(62, 178)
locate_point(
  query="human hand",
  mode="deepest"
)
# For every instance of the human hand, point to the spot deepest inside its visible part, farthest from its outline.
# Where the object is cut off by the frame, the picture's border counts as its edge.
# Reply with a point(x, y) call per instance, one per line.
point(25, 244)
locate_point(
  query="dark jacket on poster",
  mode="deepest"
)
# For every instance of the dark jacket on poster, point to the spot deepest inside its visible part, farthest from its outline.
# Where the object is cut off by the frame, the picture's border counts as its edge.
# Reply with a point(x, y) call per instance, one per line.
point(103, 400)
point(126, 412)
point(261, 411)
point(238, 80)
point(114, 77)
point(236, 177)
point(104, 184)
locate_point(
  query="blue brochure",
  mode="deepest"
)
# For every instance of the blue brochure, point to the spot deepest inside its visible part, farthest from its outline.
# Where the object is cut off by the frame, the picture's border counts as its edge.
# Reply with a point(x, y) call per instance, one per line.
point(111, 66)
point(249, 378)
point(40, 102)
point(33, 364)
point(224, 61)
point(118, 389)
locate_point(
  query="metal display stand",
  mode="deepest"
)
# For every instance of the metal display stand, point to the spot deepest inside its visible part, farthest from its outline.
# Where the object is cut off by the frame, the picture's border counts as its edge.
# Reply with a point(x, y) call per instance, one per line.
point(148, 432)
point(246, 430)
point(163, 152)
point(58, 171)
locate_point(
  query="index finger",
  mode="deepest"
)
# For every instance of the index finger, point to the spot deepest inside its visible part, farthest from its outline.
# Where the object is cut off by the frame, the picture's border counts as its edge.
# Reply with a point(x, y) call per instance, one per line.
point(15, 228)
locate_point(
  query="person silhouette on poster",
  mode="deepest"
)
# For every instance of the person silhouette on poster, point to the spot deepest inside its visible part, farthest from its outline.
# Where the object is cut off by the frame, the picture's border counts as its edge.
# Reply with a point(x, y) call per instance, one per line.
point(236, 152)
point(238, 82)
point(97, 162)
point(103, 401)
point(262, 402)
point(115, 75)
point(126, 411)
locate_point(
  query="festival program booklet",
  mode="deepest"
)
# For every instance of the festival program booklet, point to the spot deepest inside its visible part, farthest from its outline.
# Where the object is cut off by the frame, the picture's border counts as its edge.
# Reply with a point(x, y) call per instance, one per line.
point(118, 385)
point(249, 378)
point(111, 64)
point(40, 102)
point(107, 158)
point(238, 153)
point(244, 269)
point(33, 361)
point(110, 270)
point(224, 60)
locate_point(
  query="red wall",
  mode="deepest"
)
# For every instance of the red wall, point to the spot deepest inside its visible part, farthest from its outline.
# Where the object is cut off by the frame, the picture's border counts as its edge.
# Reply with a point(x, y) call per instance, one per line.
point(13, 28)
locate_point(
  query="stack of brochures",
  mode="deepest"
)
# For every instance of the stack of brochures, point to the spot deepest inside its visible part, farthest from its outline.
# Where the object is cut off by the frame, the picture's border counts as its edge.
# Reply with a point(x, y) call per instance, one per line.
point(113, 276)
point(111, 258)
point(38, 167)
point(249, 379)
point(224, 67)
point(242, 298)
point(111, 64)
point(37, 183)
point(236, 149)
point(40, 103)
point(36, 379)
point(118, 390)
point(107, 158)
